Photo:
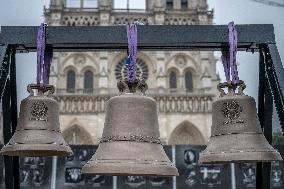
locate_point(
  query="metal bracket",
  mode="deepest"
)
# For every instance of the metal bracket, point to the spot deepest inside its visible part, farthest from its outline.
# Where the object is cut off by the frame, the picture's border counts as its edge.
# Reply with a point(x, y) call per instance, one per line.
point(4, 68)
point(275, 74)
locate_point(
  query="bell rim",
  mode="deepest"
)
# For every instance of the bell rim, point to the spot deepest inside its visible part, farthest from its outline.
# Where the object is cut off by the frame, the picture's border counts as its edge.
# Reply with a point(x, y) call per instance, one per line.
point(32, 150)
point(128, 170)
point(236, 157)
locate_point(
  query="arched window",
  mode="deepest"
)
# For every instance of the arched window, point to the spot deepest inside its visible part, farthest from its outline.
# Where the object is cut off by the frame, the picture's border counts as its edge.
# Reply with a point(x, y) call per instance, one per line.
point(173, 80)
point(184, 4)
point(188, 81)
point(71, 80)
point(88, 81)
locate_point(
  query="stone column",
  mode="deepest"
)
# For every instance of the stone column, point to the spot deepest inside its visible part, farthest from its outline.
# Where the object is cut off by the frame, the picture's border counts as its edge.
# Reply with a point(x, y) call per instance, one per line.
point(159, 13)
point(105, 7)
point(56, 7)
point(53, 77)
point(206, 74)
point(161, 75)
point(193, 4)
point(177, 4)
point(103, 73)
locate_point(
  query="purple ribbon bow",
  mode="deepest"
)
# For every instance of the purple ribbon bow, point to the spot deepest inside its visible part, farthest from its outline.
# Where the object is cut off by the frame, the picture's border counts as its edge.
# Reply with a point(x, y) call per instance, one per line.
point(229, 57)
point(132, 50)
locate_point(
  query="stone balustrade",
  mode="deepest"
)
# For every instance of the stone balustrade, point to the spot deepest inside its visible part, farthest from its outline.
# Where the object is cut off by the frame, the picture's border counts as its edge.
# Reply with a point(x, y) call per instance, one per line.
point(74, 104)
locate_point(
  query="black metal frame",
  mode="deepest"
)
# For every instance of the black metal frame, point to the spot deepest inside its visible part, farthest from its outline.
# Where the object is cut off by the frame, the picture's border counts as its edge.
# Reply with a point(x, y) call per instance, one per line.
point(198, 37)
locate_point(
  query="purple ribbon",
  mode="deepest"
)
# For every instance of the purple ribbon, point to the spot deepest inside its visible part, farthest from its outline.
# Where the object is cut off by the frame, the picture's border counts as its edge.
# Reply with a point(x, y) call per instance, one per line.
point(132, 50)
point(44, 57)
point(229, 57)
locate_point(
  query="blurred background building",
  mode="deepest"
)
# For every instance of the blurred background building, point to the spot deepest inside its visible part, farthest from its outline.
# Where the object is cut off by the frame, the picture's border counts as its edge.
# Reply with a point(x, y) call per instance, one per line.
point(183, 83)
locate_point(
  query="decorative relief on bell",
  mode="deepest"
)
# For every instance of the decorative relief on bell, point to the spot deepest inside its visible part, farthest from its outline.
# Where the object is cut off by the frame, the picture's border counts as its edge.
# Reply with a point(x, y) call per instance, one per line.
point(136, 138)
point(232, 109)
point(38, 112)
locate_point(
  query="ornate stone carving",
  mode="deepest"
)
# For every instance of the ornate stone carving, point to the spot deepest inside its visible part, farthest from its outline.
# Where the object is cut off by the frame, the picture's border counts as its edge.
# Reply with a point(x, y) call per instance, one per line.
point(80, 59)
point(180, 61)
point(180, 21)
point(86, 20)
point(126, 19)
point(166, 104)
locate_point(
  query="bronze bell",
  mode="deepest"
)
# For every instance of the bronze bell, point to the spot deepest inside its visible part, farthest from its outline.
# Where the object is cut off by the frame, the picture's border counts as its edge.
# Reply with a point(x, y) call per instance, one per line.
point(130, 143)
point(38, 130)
point(236, 135)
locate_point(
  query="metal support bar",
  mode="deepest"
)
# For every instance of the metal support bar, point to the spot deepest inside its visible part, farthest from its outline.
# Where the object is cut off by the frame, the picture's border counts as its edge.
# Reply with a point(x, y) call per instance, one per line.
point(162, 37)
point(7, 134)
point(261, 91)
point(10, 116)
point(275, 73)
point(268, 108)
point(7, 129)
point(267, 130)
point(14, 114)
point(4, 68)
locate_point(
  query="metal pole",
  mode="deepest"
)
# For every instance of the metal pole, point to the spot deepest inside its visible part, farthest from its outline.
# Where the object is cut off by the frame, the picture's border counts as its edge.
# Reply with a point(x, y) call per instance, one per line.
point(174, 162)
point(114, 182)
point(233, 176)
point(275, 74)
point(4, 68)
point(14, 114)
point(261, 88)
point(7, 134)
point(54, 172)
point(7, 129)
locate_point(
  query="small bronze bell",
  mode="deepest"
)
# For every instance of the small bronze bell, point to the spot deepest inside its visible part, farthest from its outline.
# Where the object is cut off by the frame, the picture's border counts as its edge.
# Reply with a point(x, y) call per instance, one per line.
point(130, 144)
point(38, 130)
point(236, 135)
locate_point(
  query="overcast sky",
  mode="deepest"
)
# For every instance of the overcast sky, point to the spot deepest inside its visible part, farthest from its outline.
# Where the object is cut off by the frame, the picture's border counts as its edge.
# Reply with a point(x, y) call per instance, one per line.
point(30, 12)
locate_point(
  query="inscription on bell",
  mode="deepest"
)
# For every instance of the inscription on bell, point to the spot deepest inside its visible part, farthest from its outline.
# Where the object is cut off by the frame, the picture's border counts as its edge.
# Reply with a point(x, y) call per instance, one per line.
point(38, 112)
point(232, 110)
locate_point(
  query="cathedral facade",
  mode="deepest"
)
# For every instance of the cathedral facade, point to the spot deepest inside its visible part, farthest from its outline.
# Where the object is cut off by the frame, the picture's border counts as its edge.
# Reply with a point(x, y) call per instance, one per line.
point(182, 82)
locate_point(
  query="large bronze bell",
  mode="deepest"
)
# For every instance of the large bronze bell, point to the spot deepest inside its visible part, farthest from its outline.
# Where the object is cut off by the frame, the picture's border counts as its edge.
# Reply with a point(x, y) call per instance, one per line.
point(130, 143)
point(236, 135)
point(38, 130)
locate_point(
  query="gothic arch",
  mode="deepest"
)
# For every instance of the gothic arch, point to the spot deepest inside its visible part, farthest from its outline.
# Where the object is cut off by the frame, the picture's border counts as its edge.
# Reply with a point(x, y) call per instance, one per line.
point(186, 133)
point(88, 67)
point(189, 59)
point(91, 63)
point(68, 68)
point(77, 135)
